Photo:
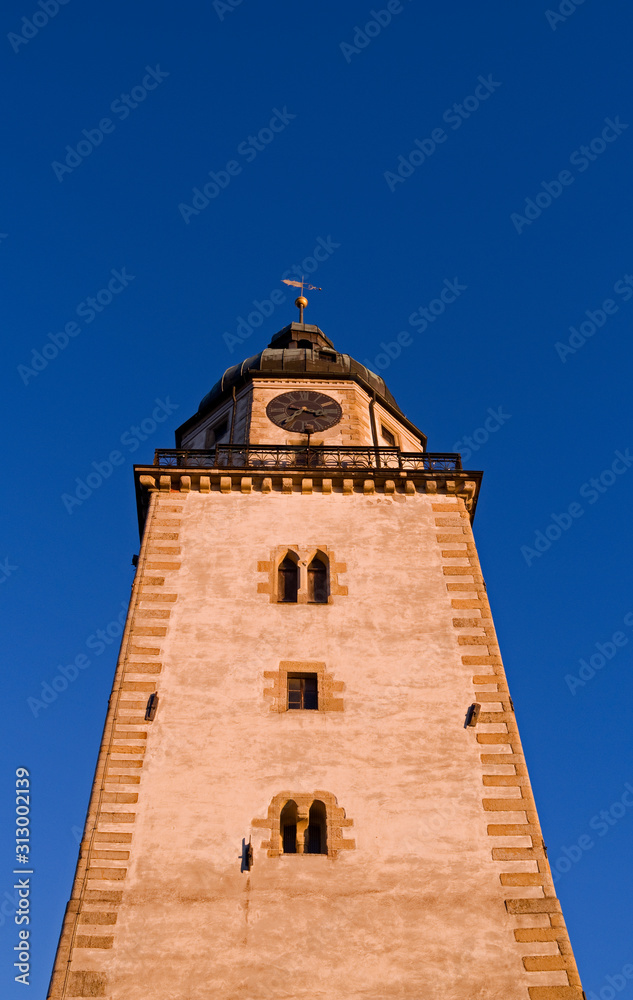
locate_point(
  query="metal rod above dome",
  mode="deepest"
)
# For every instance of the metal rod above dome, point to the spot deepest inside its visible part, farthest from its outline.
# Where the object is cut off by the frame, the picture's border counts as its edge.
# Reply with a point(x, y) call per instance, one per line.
point(301, 301)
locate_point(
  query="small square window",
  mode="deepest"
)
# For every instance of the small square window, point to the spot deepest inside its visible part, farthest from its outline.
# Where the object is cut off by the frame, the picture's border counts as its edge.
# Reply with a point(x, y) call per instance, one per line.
point(388, 437)
point(303, 691)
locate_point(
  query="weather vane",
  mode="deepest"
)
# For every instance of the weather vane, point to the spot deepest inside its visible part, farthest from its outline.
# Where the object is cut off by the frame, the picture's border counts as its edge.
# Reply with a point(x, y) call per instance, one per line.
point(301, 302)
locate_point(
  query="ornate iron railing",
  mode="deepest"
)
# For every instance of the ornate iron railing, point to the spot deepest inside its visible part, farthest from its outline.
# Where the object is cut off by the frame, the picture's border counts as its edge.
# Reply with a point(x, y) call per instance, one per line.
point(225, 456)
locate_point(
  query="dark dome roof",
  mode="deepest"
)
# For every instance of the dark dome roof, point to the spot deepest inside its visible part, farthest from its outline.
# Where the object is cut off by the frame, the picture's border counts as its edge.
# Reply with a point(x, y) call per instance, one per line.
point(298, 349)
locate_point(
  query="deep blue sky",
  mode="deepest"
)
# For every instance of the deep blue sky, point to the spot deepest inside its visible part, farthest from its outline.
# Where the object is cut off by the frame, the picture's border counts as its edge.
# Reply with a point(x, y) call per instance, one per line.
point(163, 337)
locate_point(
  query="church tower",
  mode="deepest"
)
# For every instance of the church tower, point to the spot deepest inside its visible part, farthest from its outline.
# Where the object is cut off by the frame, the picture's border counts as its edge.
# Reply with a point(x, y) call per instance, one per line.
point(310, 782)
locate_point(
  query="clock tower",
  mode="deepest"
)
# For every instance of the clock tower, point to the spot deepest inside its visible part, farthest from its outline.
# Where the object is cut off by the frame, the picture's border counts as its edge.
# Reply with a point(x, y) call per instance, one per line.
point(311, 782)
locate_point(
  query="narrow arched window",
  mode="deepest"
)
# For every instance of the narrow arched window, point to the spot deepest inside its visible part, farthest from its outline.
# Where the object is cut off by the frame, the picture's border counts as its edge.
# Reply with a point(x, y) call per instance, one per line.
point(288, 583)
point(318, 589)
point(316, 833)
point(288, 828)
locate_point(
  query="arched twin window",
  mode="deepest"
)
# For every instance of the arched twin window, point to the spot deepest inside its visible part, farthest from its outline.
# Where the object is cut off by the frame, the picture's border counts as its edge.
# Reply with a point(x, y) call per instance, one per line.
point(299, 837)
point(289, 580)
point(316, 833)
point(317, 582)
point(288, 828)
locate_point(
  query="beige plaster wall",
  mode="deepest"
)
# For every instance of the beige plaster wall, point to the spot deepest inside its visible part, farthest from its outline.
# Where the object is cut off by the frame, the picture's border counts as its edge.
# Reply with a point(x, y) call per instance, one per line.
point(417, 908)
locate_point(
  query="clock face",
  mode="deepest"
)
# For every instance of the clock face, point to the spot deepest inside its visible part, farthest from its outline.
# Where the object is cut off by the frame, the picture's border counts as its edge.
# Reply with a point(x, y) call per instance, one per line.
point(302, 410)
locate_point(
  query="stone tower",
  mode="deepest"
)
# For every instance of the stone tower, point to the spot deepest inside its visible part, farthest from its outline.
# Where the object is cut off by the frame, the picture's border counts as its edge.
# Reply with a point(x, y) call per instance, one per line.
point(311, 782)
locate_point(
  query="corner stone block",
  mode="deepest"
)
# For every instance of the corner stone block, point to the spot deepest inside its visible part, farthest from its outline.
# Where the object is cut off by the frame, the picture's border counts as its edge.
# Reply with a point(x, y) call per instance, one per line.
point(544, 963)
point(86, 984)
point(555, 993)
point(545, 904)
point(149, 482)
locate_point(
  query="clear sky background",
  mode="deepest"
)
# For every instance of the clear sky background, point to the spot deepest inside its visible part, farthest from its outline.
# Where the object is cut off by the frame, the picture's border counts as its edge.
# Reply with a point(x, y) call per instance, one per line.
point(352, 114)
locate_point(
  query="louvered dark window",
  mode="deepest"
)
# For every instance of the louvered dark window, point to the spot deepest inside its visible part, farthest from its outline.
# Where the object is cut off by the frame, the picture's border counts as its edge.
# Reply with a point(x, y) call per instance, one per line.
point(388, 437)
point(216, 434)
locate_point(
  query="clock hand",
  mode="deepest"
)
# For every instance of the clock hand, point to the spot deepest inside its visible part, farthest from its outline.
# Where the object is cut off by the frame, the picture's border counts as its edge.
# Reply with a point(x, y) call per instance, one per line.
point(289, 420)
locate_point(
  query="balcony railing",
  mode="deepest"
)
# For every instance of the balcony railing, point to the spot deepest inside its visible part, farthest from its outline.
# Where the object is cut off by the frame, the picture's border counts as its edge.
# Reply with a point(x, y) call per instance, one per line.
point(236, 456)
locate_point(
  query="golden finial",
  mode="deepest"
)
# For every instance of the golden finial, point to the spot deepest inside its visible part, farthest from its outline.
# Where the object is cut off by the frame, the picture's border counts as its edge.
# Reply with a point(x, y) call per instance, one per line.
point(301, 302)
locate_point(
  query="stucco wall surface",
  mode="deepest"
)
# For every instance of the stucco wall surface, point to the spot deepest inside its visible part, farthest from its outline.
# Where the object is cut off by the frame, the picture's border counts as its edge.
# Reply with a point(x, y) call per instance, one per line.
point(416, 908)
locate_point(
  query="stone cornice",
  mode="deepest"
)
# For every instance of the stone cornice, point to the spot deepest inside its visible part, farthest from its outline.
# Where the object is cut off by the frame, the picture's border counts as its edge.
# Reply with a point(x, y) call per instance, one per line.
point(390, 482)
